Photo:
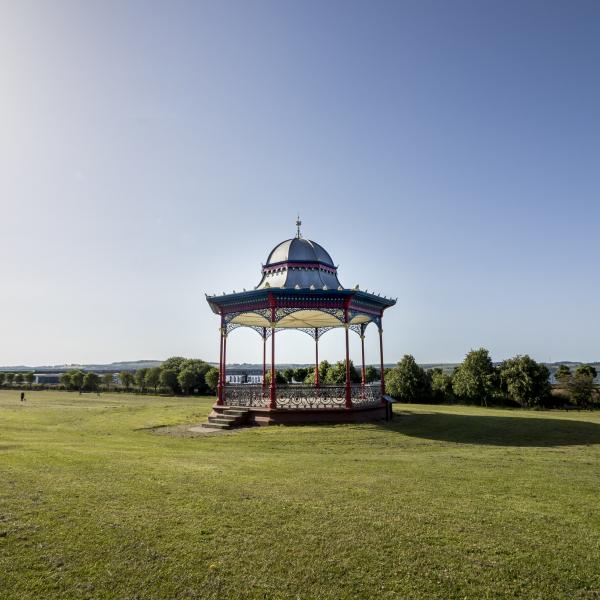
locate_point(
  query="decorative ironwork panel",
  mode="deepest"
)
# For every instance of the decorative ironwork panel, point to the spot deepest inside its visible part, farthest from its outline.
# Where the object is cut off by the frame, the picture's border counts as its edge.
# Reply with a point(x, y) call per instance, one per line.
point(368, 396)
point(280, 313)
point(302, 397)
point(262, 331)
point(323, 330)
point(245, 395)
point(338, 313)
point(357, 329)
point(315, 332)
point(307, 396)
point(265, 312)
point(231, 326)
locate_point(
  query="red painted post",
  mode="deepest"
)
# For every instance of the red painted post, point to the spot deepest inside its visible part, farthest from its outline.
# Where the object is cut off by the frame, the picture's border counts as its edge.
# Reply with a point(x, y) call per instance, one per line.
point(348, 391)
point(362, 348)
point(264, 374)
point(220, 382)
point(316, 358)
point(381, 358)
point(273, 387)
point(224, 365)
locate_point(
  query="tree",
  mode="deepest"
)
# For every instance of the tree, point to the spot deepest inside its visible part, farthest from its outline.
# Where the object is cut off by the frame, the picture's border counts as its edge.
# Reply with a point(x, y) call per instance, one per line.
point(324, 367)
point(140, 379)
point(310, 378)
point(279, 378)
point(107, 380)
point(562, 374)
point(300, 373)
point(371, 374)
point(65, 379)
point(76, 378)
point(174, 362)
point(525, 381)
point(476, 379)
point(441, 385)
point(168, 379)
point(126, 379)
point(199, 368)
point(10, 377)
point(586, 371)
point(289, 375)
point(2, 377)
point(153, 377)
point(178, 363)
point(407, 381)
point(581, 387)
point(18, 378)
point(336, 375)
point(29, 378)
point(212, 379)
point(91, 382)
point(187, 380)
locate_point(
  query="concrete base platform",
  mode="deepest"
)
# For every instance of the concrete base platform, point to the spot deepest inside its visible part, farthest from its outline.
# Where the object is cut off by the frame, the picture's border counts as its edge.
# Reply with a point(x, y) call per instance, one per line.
point(283, 416)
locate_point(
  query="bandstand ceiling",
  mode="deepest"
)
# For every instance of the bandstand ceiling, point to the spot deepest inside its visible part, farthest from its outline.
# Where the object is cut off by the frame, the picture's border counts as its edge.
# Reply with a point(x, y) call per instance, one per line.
point(297, 320)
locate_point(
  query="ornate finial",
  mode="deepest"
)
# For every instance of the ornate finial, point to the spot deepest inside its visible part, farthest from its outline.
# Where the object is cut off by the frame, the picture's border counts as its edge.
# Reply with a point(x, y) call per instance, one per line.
point(298, 223)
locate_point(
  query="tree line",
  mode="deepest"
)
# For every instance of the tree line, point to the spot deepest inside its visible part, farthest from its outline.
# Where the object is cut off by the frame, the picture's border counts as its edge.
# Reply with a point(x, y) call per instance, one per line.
point(329, 374)
point(17, 378)
point(517, 381)
point(177, 375)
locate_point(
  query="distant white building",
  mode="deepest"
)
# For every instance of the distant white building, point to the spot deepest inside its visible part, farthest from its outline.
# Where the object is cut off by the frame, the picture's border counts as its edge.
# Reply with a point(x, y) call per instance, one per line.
point(240, 375)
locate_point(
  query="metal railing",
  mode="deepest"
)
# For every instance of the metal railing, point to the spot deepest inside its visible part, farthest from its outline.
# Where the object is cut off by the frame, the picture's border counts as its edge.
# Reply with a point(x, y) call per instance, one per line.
point(302, 396)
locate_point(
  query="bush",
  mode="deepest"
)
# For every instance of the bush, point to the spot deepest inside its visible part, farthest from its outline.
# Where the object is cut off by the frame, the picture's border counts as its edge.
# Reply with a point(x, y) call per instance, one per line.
point(525, 381)
point(441, 386)
point(408, 382)
point(279, 378)
point(475, 381)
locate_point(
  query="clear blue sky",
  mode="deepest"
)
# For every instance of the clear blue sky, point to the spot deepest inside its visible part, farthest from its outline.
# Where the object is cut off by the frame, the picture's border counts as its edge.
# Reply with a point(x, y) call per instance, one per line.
point(447, 153)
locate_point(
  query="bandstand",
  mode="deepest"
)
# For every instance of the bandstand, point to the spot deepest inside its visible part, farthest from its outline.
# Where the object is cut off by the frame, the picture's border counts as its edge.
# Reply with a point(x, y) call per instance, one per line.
point(299, 289)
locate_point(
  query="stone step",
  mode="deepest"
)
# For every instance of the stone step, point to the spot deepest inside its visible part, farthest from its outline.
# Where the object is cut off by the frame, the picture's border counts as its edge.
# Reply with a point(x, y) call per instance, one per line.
point(222, 420)
point(235, 412)
point(223, 417)
point(217, 425)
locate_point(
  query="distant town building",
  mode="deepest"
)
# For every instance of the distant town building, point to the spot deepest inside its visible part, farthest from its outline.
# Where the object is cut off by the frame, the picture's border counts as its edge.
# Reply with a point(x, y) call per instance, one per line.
point(243, 375)
point(47, 378)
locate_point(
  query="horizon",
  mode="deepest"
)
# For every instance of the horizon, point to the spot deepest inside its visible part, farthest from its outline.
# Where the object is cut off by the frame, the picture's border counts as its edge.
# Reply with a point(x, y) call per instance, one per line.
point(254, 364)
point(442, 154)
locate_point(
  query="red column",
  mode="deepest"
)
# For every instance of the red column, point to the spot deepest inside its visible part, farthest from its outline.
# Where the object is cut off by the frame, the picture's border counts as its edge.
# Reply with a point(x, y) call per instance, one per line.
point(348, 391)
point(220, 382)
point(362, 349)
point(224, 365)
point(264, 379)
point(316, 357)
point(273, 388)
point(381, 358)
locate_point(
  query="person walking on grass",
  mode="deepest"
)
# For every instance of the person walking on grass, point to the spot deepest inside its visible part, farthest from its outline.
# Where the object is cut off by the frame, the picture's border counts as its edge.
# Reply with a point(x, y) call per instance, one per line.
point(23, 397)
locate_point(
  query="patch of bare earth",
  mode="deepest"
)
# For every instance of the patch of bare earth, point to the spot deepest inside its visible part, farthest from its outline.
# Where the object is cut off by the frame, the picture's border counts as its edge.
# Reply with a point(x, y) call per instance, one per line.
point(188, 431)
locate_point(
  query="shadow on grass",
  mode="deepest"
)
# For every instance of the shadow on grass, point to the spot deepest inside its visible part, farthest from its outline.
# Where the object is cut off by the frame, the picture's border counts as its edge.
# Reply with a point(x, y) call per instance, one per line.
point(495, 431)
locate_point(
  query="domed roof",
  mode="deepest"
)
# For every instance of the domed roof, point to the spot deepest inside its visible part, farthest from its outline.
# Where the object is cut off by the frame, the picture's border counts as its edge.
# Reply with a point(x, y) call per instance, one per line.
point(300, 264)
point(299, 250)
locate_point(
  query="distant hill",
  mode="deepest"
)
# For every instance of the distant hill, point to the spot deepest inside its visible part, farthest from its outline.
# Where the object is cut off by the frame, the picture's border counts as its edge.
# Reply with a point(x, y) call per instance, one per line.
point(129, 365)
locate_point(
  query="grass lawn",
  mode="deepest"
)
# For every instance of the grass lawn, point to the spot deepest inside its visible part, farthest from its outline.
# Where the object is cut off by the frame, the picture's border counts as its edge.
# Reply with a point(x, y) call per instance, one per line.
point(445, 502)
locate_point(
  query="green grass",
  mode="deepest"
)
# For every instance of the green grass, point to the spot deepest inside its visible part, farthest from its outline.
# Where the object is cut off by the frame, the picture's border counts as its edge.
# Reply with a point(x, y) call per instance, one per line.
point(445, 502)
